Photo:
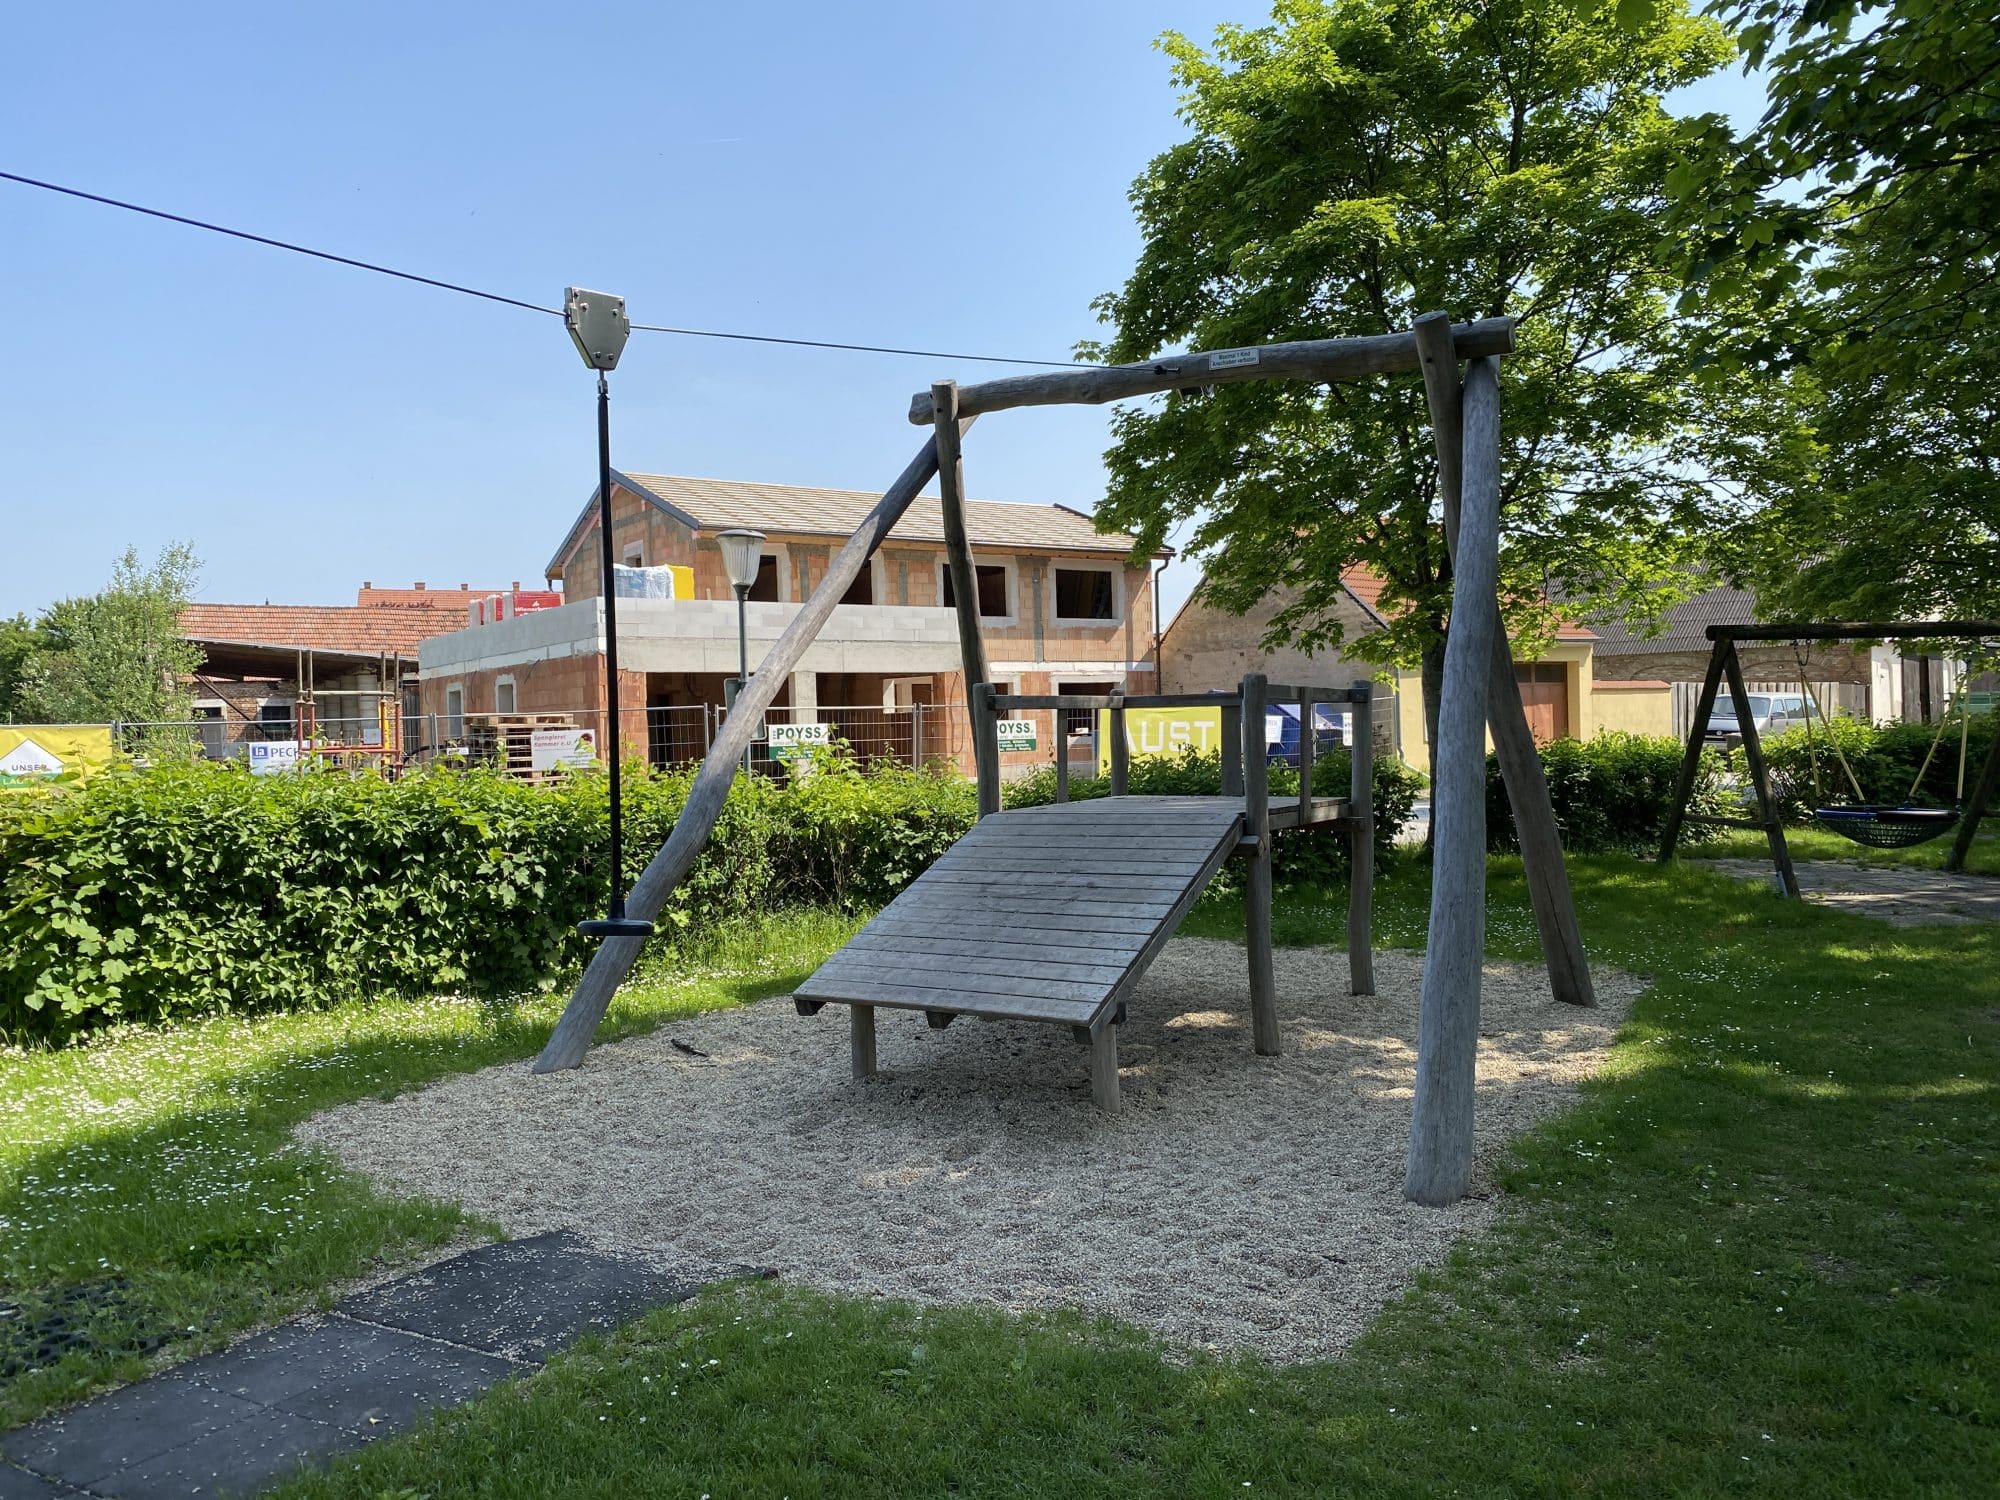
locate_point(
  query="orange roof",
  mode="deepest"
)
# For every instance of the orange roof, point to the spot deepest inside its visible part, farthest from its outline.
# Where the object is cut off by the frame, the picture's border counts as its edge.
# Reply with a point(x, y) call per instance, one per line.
point(1367, 586)
point(391, 628)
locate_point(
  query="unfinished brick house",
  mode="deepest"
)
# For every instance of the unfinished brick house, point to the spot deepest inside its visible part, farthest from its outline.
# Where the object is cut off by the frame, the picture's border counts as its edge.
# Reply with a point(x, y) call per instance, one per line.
point(1063, 607)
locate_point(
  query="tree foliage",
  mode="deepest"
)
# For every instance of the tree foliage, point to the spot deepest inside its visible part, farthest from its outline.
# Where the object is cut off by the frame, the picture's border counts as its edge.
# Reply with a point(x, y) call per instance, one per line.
point(1355, 163)
point(118, 654)
point(1861, 219)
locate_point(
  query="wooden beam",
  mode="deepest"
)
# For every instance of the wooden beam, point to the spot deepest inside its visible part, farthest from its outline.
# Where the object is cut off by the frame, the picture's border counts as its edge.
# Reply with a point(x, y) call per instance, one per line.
point(861, 1041)
point(1257, 895)
point(570, 1041)
point(1439, 1167)
point(1104, 1067)
point(1514, 747)
point(1677, 813)
point(1307, 359)
point(958, 549)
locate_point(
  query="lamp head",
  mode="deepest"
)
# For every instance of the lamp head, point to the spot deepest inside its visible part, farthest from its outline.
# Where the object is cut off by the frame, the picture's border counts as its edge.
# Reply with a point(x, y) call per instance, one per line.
point(597, 326)
point(742, 551)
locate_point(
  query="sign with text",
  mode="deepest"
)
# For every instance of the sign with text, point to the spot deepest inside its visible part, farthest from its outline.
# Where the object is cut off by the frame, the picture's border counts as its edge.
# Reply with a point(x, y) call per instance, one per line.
point(790, 741)
point(269, 757)
point(549, 749)
point(1161, 732)
point(1016, 734)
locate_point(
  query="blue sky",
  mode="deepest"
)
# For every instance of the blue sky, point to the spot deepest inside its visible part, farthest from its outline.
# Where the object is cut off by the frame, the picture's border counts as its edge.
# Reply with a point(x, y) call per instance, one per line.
point(947, 179)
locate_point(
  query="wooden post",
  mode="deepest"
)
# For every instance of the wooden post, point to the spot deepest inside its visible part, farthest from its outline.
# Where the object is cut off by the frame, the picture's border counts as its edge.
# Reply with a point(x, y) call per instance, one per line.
point(1361, 840)
point(957, 549)
point(1257, 896)
point(1760, 774)
point(1521, 767)
point(1059, 717)
point(1704, 704)
point(986, 747)
point(1439, 1168)
point(570, 1041)
point(1232, 748)
point(1104, 1067)
point(1308, 748)
point(1983, 793)
point(1121, 747)
point(861, 1040)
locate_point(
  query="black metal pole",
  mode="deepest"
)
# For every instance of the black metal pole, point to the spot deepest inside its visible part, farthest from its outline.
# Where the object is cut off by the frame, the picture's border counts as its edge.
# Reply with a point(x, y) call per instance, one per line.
point(617, 923)
point(743, 654)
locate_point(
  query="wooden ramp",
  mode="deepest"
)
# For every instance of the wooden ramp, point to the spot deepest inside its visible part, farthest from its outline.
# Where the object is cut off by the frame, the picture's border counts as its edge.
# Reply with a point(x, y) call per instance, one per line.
point(1039, 914)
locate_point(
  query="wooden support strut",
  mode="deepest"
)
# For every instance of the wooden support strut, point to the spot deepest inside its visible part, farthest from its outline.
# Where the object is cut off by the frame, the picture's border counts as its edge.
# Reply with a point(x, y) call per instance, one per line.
point(1521, 767)
point(1439, 1166)
point(570, 1041)
point(1983, 793)
point(1760, 772)
point(958, 552)
point(1677, 814)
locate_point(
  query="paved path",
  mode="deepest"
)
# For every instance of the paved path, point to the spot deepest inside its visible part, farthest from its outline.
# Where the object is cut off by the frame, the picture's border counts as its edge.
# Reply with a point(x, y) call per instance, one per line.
point(1896, 894)
point(236, 1421)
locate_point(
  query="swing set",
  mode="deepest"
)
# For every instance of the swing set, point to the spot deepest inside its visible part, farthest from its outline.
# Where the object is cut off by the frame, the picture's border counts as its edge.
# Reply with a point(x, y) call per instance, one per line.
point(1877, 825)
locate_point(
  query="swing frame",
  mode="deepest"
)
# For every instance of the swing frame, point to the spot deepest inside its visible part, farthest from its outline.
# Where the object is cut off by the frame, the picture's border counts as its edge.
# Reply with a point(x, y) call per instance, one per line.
point(1724, 665)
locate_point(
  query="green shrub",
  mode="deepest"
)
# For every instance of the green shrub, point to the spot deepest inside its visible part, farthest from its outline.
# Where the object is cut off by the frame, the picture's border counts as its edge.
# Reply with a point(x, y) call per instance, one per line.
point(1806, 774)
point(192, 889)
point(1613, 793)
point(1306, 859)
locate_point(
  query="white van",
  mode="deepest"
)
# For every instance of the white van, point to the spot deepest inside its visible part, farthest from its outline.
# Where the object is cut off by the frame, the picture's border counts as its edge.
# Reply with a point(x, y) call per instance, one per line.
point(1772, 713)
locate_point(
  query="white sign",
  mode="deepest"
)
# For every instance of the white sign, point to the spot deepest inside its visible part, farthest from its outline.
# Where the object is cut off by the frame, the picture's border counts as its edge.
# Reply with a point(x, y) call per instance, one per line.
point(1232, 359)
point(29, 759)
point(550, 748)
point(268, 757)
point(791, 740)
point(1016, 734)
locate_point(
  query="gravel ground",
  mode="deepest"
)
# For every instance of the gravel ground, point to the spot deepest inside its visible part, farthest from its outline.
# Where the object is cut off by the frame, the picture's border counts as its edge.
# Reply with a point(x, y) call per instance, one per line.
point(1236, 1202)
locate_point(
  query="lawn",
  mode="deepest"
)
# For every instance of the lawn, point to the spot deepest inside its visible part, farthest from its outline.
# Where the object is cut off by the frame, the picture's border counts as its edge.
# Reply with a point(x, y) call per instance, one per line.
point(1812, 842)
point(150, 1193)
point(1759, 1257)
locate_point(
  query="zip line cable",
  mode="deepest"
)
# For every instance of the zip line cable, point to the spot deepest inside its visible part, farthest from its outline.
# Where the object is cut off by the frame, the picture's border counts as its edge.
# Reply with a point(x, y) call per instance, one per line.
point(554, 312)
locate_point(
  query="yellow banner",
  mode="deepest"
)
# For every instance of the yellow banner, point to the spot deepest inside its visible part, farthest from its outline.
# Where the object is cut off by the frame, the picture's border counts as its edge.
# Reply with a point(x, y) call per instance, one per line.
point(1161, 732)
point(34, 754)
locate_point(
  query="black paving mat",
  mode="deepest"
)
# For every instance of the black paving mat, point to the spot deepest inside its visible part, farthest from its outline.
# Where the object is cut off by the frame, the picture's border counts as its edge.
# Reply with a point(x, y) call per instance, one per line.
point(236, 1421)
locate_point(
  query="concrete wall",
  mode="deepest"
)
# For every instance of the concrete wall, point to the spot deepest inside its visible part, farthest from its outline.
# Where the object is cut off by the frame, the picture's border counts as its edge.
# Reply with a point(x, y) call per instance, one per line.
point(1633, 707)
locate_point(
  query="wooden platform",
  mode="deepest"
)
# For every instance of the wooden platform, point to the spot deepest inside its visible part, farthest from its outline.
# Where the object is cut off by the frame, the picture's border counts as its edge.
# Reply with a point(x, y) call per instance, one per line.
point(1040, 914)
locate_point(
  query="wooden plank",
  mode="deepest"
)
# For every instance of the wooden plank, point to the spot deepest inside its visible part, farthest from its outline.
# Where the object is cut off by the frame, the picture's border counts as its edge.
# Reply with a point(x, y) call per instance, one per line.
point(1023, 952)
point(1439, 1166)
point(1118, 837)
point(1077, 862)
point(570, 1040)
point(1304, 359)
point(1054, 926)
point(918, 955)
point(853, 990)
point(972, 901)
point(1066, 880)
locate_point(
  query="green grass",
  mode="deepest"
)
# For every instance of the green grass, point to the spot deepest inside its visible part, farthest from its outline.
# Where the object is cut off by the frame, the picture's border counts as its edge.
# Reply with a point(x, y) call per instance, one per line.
point(1812, 842)
point(155, 1169)
point(1758, 1257)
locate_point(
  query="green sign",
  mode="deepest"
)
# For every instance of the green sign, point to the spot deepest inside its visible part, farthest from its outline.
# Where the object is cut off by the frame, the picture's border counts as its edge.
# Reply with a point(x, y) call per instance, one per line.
point(1016, 734)
point(791, 741)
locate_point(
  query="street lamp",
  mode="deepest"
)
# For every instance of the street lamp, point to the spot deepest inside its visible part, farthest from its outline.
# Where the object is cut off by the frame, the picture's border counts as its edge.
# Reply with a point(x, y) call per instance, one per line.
point(598, 327)
point(742, 554)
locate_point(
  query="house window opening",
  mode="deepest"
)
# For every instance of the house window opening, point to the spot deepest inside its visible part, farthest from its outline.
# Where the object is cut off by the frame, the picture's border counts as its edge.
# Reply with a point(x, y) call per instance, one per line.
point(991, 582)
point(1084, 594)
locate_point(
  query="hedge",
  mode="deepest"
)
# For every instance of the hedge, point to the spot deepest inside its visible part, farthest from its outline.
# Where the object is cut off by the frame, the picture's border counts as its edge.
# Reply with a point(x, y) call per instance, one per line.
point(1613, 793)
point(196, 889)
point(187, 890)
point(1885, 759)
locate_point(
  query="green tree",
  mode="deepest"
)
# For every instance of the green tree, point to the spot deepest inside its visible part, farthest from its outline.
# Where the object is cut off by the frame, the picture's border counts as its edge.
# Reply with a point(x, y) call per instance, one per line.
point(19, 641)
point(1355, 163)
point(118, 654)
point(1860, 220)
